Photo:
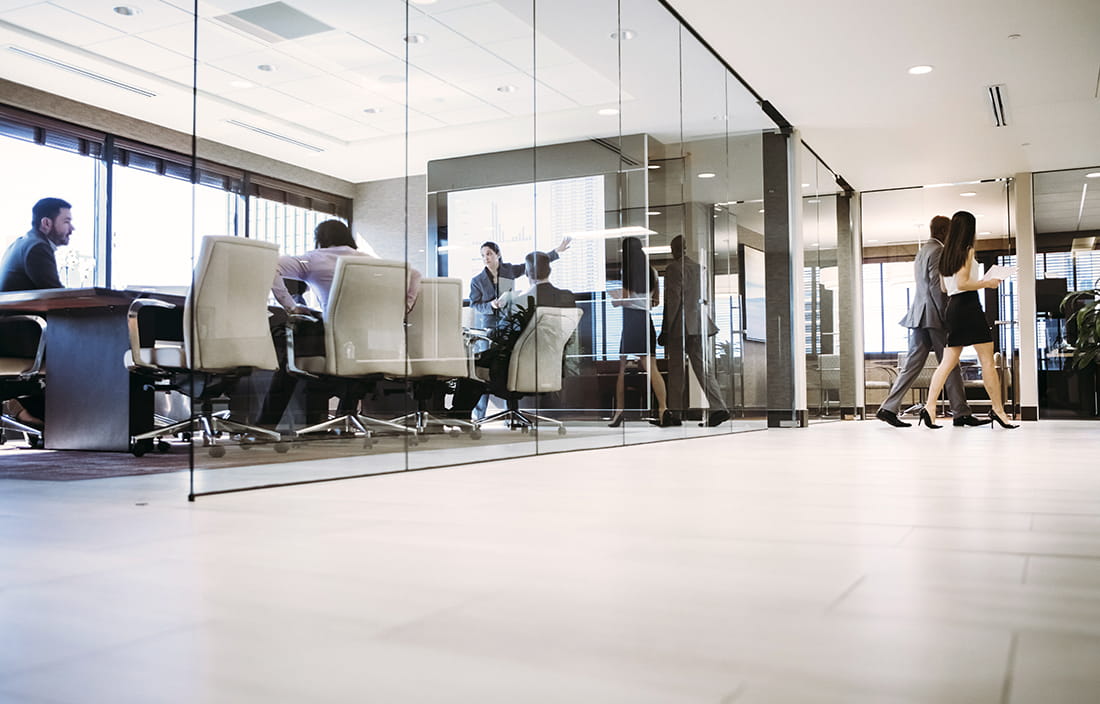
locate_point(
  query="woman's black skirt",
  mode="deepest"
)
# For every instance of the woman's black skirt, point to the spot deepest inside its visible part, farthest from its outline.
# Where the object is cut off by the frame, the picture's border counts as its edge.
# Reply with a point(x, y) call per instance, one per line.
point(636, 325)
point(966, 324)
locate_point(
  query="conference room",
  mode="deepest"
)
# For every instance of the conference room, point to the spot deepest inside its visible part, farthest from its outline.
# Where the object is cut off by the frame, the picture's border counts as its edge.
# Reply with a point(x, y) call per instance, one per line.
point(428, 129)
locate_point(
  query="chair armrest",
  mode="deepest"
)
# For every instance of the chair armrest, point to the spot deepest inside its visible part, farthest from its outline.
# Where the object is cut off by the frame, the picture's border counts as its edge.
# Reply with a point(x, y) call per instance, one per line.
point(291, 359)
point(136, 306)
point(40, 352)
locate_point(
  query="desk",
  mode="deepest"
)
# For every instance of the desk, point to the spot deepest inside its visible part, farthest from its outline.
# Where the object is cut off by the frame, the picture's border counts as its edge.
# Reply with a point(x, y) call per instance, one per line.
point(92, 400)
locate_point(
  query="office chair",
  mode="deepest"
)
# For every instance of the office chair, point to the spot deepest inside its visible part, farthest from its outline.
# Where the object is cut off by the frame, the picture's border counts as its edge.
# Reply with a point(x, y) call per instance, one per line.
point(437, 350)
point(21, 371)
point(535, 366)
point(225, 336)
point(364, 340)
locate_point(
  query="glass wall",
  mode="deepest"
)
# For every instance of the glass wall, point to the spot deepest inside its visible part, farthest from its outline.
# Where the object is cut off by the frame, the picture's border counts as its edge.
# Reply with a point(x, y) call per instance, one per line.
point(895, 227)
point(620, 147)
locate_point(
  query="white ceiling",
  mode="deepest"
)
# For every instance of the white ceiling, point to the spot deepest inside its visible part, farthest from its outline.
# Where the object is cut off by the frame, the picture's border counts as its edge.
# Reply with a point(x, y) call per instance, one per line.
point(835, 70)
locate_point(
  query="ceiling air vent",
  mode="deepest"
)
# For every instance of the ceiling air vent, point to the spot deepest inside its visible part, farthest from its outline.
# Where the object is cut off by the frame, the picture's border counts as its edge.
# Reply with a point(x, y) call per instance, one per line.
point(275, 135)
point(80, 71)
point(274, 22)
point(997, 104)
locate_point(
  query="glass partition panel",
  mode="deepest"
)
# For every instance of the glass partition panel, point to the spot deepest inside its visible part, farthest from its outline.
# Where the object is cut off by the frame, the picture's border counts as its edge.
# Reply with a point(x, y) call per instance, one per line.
point(896, 226)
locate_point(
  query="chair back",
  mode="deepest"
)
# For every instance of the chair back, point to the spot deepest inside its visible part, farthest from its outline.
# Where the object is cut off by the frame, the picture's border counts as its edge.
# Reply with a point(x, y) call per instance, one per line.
point(365, 318)
point(225, 314)
point(436, 347)
point(536, 361)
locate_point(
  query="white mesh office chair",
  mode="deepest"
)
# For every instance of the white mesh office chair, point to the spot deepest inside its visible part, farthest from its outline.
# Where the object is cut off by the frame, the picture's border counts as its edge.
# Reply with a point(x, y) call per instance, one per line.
point(535, 365)
point(225, 336)
point(436, 347)
point(21, 371)
point(364, 338)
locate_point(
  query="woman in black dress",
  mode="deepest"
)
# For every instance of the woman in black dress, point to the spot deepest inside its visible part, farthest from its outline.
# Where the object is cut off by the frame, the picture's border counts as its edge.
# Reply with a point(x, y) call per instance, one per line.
point(966, 324)
point(639, 338)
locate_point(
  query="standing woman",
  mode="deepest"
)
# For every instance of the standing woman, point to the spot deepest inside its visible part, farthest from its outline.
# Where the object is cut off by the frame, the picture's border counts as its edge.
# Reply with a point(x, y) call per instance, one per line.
point(966, 324)
point(640, 291)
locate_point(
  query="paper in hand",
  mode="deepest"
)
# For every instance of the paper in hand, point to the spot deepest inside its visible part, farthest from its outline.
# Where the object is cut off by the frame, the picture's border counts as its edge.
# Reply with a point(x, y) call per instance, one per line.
point(1000, 272)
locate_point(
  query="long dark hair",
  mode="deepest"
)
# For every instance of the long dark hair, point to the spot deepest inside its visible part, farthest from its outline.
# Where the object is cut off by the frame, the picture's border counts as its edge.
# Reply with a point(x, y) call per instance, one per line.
point(635, 268)
point(960, 240)
point(332, 233)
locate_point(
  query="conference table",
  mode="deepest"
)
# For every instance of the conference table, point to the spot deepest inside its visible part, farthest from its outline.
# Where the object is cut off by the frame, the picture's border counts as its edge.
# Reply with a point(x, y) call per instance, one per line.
point(92, 401)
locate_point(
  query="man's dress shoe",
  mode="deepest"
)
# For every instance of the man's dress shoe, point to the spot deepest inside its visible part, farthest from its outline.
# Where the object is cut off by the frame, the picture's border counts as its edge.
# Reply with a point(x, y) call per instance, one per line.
point(969, 421)
point(891, 418)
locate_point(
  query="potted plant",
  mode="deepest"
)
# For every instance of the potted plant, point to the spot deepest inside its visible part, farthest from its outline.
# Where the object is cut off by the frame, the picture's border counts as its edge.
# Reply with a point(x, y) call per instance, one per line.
point(1081, 309)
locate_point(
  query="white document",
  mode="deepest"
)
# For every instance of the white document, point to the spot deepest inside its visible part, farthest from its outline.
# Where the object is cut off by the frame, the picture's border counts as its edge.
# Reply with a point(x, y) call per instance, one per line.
point(1000, 272)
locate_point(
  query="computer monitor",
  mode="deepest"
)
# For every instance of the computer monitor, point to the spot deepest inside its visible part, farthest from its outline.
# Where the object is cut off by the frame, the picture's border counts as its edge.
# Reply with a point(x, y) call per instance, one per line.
point(1048, 296)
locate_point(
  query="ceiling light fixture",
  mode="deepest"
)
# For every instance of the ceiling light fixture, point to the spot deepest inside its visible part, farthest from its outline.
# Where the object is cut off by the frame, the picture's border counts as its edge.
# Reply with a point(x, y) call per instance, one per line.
point(707, 174)
point(653, 166)
point(919, 70)
point(607, 112)
point(1094, 174)
point(760, 211)
point(968, 194)
point(653, 212)
point(415, 38)
point(624, 34)
point(814, 200)
point(126, 10)
point(267, 68)
point(372, 111)
point(611, 233)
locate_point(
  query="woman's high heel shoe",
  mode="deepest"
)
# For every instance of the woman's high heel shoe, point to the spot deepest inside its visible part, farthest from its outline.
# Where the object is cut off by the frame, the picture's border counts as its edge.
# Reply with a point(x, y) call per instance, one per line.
point(926, 419)
point(997, 419)
point(616, 421)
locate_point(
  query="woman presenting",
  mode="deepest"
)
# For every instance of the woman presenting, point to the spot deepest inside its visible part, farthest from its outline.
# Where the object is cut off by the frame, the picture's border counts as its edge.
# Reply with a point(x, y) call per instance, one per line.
point(966, 324)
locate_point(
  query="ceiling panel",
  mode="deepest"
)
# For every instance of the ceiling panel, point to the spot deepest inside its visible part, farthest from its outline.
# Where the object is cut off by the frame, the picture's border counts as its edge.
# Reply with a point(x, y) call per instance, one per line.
point(59, 24)
point(464, 64)
point(215, 41)
point(581, 84)
point(150, 15)
point(487, 22)
point(340, 49)
point(138, 52)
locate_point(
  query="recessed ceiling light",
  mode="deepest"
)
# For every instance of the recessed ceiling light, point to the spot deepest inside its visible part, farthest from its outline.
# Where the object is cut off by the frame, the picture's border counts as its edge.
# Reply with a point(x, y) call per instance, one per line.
point(654, 166)
point(805, 185)
point(507, 88)
point(760, 211)
point(241, 84)
point(625, 34)
point(987, 232)
point(372, 111)
point(607, 112)
point(707, 174)
point(814, 200)
point(127, 10)
point(918, 70)
point(1094, 174)
point(968, 194)
point(415, 38)
point(654, 212)
point(267, 68)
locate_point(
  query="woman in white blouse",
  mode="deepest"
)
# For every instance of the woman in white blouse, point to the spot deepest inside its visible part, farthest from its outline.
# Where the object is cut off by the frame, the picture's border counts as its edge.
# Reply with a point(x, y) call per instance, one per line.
point(966, 323)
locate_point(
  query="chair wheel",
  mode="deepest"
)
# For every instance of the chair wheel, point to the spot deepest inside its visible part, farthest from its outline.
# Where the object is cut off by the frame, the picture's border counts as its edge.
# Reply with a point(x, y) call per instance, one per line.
point(368, 442)
point(561, 430)
point(282, 447)
point(475, 434)
point(216, 451)
point(186, 437)
point(455, 432)
point(140, 447)
point(35, 441)
point(163, 446)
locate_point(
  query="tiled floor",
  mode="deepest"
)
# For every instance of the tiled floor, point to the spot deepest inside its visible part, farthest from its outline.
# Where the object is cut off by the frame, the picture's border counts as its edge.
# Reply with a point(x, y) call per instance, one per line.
point(844, 563)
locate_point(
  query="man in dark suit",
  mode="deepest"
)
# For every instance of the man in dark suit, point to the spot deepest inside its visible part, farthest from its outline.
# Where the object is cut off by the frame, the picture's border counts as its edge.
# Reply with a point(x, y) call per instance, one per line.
point(925, 320)
point(30, 263)
point(682, 332)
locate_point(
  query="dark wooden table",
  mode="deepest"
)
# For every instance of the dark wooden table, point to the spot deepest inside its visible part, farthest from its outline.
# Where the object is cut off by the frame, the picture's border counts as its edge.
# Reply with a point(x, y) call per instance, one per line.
point(92, 400)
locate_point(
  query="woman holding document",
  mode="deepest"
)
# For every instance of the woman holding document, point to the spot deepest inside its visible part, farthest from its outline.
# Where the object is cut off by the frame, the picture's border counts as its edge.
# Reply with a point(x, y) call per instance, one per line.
point(966, 324)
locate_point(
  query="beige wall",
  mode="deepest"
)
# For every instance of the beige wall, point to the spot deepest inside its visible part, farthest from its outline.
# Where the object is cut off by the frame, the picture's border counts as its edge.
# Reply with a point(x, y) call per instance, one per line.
point(379, 217)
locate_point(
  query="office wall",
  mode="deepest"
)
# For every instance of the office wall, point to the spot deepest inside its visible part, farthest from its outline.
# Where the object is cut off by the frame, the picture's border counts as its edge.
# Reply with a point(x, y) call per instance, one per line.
point(392, 216)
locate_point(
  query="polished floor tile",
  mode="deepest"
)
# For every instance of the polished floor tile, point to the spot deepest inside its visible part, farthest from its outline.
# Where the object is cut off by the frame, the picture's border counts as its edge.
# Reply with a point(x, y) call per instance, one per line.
point(845, 563)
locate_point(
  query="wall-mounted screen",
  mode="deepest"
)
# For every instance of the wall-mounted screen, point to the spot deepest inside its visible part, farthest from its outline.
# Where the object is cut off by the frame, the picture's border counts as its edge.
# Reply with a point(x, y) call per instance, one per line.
point(523, 217)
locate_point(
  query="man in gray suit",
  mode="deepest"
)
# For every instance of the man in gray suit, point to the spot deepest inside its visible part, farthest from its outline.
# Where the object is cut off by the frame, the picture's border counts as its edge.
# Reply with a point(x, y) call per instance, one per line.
point(682, 331)
point(925, 321)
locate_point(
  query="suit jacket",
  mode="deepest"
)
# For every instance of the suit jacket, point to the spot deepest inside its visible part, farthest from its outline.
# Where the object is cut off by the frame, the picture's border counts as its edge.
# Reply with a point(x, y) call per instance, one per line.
point(929, 300)
point(483, 291)
point(683, 300)
point(548, 295)
point(29, 264)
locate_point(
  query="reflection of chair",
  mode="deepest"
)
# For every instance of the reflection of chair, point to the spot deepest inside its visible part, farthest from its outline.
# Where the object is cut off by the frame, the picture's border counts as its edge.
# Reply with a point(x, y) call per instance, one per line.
point(364, 338)
point(535, 365)
point(828, 367)
point(225, 337)
point(437, 351)
point(22, 352)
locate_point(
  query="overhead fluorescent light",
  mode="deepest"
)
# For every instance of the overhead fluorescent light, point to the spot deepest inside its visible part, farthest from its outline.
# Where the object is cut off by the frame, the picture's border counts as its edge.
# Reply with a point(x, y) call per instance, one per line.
point(1094, 174)
point(658, 249)
point(80, 71)
point(611, 233)
point(968, 194)
point(919, 70)
point(275, 135)
point(707, 174)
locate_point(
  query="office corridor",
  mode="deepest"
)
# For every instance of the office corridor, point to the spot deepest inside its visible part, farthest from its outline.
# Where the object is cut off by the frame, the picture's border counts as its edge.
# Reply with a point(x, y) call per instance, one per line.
point(844, 563)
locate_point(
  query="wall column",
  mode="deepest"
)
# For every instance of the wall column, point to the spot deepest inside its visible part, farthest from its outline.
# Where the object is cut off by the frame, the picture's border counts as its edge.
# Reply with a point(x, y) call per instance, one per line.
point(1022, 221)
point(849, 259)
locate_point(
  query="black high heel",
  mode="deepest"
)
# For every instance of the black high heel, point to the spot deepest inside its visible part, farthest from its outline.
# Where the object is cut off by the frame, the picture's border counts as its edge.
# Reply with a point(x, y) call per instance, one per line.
point(997, 419)
point(618, 420)
point(926, 419)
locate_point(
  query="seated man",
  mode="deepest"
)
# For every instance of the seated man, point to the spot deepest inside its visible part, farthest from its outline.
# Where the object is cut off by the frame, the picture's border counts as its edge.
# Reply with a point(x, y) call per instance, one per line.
point(316, 268)
point(541, 293)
